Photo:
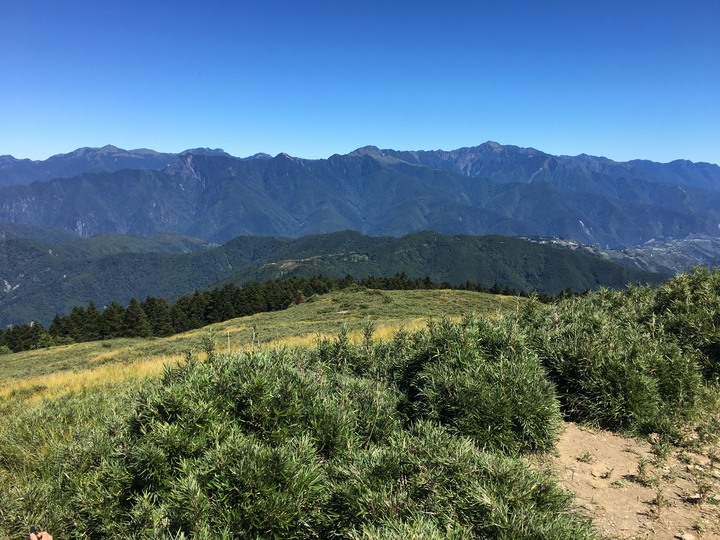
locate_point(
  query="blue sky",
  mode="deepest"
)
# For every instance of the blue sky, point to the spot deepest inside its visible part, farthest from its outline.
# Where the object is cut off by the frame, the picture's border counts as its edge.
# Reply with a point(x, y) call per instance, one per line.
point(623, 79)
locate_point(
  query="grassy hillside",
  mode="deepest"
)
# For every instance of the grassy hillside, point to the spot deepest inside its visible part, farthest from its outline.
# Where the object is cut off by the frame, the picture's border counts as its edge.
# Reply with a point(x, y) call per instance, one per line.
point(376, 426)
point(301, 324)
point(60, 436)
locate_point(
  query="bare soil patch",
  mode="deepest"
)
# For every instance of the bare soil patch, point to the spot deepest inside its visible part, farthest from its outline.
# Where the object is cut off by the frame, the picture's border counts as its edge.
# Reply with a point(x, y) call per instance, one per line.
point(640, 489)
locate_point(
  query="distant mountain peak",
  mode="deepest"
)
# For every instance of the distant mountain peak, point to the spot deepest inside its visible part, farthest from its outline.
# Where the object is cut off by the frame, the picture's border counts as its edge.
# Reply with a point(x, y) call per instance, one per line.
point(103, 151)
point(206, 152)
point(589, 158)
point(109, 149)
point(492, 144)
point(7, 159)
point(368, 150)
point(284, 155)
point(386, 156)
point(259, 155)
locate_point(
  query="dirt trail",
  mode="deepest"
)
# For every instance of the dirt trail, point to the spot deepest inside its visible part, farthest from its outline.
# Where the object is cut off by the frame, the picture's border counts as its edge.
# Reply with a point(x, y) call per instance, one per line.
point(633, 492)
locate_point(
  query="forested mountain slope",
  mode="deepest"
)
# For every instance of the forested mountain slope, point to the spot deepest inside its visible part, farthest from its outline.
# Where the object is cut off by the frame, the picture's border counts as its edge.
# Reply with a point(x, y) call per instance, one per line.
point(38, 280)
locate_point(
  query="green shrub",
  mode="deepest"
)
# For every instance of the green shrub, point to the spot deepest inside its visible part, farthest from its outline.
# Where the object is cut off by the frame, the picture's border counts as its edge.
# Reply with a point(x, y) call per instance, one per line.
point(415, 527)
point(429, 483)
point(482, 380)
point(276, 445)
point(612, 365)
point(688, 308)
point(238, 444)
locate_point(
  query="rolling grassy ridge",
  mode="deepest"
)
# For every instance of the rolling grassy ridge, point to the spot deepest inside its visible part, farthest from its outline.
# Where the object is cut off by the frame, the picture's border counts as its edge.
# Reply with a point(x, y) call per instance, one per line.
point(299, 325)
point(347, 417)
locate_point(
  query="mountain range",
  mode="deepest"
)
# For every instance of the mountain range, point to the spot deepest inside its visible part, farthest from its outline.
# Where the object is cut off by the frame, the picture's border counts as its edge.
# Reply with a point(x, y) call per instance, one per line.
point(487, 189)
point(109, 158)
point(108, 224)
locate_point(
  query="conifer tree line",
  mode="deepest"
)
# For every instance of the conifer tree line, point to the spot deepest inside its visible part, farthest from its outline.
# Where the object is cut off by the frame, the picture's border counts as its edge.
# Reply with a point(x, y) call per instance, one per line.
point(156, 317)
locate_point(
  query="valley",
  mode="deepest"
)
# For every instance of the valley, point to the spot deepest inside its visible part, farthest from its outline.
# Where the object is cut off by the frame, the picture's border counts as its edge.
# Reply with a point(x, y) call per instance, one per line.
point(48, 279)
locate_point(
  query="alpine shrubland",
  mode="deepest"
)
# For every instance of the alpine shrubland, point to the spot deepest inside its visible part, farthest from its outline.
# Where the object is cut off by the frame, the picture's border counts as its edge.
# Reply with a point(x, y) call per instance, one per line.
point(636, 361)
point(425, 434)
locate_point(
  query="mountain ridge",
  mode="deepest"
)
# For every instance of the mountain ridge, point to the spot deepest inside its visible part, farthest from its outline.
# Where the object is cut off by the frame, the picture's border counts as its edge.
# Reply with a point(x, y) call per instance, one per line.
point(38, 280)
point(108, 158)
point(473, 161)
point(467, 153)
point(216, 198)
point(481, 190)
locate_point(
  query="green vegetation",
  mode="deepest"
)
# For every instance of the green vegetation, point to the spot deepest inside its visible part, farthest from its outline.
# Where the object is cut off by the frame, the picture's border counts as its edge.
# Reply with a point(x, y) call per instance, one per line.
point(480, 379)
point(423, 433)
point(687, 308)
point(291, 444)
point(43, 280)
point(156, 317)
point(299, 325)
point(634, 361)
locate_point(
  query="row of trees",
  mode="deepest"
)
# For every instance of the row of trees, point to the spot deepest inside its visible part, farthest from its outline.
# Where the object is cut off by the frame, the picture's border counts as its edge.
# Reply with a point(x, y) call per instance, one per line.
point(157, 317)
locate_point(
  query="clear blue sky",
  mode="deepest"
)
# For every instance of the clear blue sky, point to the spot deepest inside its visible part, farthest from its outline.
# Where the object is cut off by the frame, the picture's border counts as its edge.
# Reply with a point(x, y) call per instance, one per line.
point(620, 78)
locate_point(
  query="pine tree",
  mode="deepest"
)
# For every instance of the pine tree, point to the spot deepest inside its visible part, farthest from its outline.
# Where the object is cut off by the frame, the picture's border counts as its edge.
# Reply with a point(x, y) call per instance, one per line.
point(179, 316)
point(196, 308)
point(158, 313)
point(92, 323)
point(219, 307)
point(75, 324)
point(57, 327)
point(112, 321)
point(136, 323)
point(24, 337)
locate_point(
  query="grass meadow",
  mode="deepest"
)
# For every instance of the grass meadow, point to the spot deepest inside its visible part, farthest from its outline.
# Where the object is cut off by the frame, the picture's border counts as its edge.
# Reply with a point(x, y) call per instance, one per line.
point(358, 414)
point(48, 372)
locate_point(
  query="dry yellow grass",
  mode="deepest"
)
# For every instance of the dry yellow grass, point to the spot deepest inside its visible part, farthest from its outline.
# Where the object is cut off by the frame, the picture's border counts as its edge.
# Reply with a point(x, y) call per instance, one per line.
point(53, 372)
point(56, 384)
